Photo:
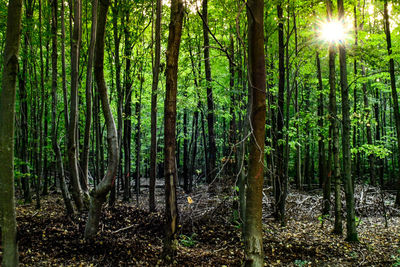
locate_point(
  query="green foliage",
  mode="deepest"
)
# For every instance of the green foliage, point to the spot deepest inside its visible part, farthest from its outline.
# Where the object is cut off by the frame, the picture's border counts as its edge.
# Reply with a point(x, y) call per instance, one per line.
point(396, 259)
point(301, 263)
point(188, 241)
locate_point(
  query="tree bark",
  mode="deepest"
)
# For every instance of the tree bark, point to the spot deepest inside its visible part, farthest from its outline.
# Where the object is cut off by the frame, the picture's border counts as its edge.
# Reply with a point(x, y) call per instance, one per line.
point(156, 71)
point(127, 108)
point(393, 86)
point(98, 195)
point(326, 181)
point(338, 228)
point(170, 172)
point(212, 149)
point(73, 124)
point(280, 187)
point(24, 106)
point(7, 117)
point(348, 184)
point(254, 254)
point(89, 90)
point(56, 148)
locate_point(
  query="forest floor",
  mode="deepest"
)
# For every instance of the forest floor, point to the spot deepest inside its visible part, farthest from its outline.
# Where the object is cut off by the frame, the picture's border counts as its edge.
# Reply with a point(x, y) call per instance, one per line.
point(209, 233)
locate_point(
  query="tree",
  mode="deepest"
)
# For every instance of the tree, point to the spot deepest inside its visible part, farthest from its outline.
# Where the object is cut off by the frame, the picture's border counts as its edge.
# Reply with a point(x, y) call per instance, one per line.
point(73, 124)
point(89, 89)
point(154, 87)
point(280, 185)
point(56, 148)
point(392, 84)
point(170, 172)
point(99, 194)
point(348, 184)
point(255, 179)
point(212, 149)
point(334, 131)
point(7, 115)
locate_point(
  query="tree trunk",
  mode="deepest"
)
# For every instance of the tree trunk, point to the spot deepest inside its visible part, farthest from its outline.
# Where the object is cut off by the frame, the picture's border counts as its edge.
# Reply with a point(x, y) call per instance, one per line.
point(156, 71)
point(212, 149)
point(393, 86)
point(24, 107)
point(63, 71)
point(171, 207)
point(98, 195)
point(7, 118)
point(89, 89)
point(348, 184)
point(323, 177)
point(280, 187)
point(127, 108)
point(56, 148)
point(338, 228)
point(254, 254)
point(73, 124)
point(116, 8)
point(138, 108)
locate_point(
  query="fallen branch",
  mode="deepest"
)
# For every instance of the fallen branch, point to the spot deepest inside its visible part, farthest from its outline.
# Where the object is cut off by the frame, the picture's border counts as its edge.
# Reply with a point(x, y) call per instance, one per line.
point(125, 228)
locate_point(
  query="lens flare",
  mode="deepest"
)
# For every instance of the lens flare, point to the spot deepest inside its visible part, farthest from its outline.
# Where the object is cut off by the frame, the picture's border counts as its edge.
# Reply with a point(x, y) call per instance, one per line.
point(333, 31)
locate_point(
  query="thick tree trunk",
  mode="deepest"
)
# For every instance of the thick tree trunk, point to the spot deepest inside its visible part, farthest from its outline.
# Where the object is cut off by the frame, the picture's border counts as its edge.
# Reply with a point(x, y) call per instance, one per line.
point(56, 148)
point(348, 184)
point(7, 118)
point(393, 86)
point(170, 172)
point(89, 90)
point(254, 254)
point(212, 149)
point(98, 195)
point(73, 124)
point(156, 71)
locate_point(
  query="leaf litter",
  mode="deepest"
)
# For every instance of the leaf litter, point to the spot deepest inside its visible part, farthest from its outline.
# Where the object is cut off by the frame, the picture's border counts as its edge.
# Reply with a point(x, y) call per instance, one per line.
point(210, 232)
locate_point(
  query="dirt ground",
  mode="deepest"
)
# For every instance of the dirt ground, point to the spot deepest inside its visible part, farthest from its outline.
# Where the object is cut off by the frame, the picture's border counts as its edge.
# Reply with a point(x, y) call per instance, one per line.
point(209, 233)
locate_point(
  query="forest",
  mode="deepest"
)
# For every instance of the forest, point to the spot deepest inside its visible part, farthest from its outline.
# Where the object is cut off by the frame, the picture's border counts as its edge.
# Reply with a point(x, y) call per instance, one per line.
point(199, 133)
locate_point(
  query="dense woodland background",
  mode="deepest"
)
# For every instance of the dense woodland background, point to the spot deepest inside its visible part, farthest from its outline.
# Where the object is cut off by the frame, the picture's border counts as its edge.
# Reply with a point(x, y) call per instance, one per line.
point(95, 121)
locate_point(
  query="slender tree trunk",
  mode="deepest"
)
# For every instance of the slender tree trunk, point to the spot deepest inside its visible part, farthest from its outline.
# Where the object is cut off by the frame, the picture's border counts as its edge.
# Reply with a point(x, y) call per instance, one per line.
point(116, 9)
point(380, 161)
point(326, 181)
point(89, 90)
point(338, 228)
point(24, 106)
point(280, 180)
point(254, 254)
point(98, 195)
point(73, 124)
point(156, 71)
point(7, 118)
point(170, 172)
point(56, 148)
point(128, 108)
point(185, 151)
point(138, 109)
point(212, 149)
point(63, 69)
point(348, 184)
